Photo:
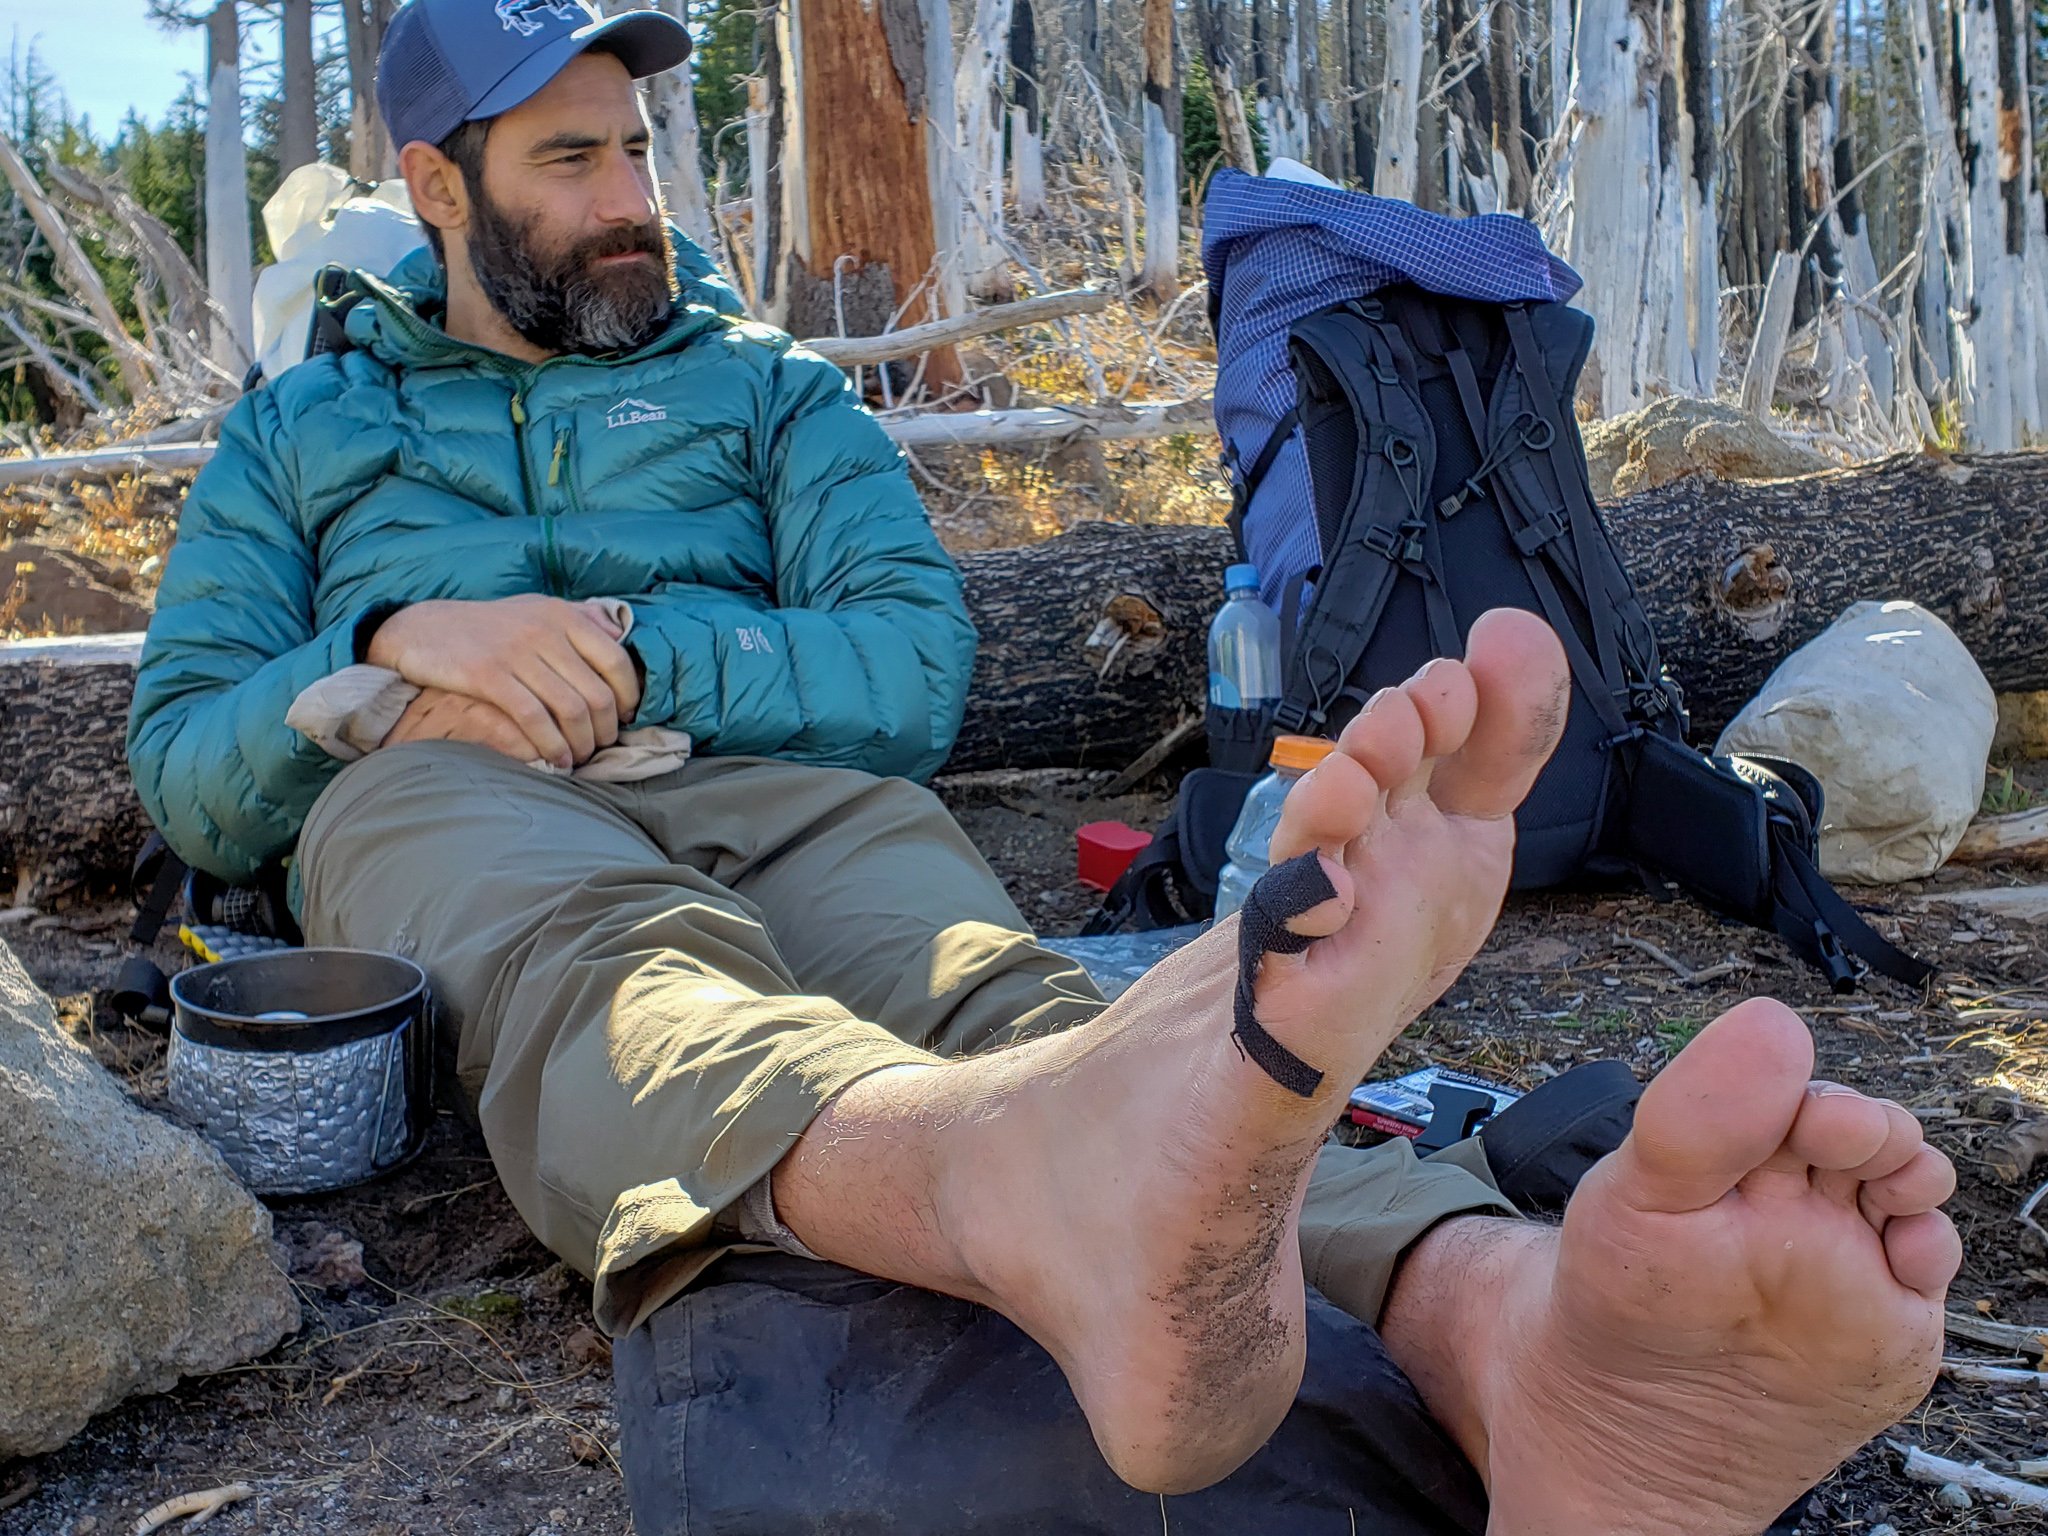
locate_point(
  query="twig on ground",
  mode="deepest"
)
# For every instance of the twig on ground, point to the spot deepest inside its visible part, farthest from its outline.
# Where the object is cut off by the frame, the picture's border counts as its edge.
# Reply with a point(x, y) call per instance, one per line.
point(2032, 1342)
point(1920, 1467)
point(1978, 1374)
point(1687, 976)
point(1677, 967)
point(415, 1206)
point(1154, 755)
point(198, 1507)
point(21, 1492)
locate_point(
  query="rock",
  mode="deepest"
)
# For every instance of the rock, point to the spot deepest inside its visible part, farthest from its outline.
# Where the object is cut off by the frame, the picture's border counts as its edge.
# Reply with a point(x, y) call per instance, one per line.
point(1678, 437)
point(1953, 1496)
point(54, 591)
point(328, 1259)
point(129, 1255)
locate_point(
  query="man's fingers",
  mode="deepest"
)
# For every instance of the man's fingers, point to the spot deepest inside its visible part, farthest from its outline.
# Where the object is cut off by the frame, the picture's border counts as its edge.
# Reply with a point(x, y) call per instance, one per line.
point(535, 720)
point(565, 703)
point(611, 661)
point(596, 693)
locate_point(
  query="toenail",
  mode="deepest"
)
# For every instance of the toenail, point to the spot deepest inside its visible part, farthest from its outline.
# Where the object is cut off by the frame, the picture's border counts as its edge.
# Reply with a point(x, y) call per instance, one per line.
point(1376, 700)
point(1820, 1088)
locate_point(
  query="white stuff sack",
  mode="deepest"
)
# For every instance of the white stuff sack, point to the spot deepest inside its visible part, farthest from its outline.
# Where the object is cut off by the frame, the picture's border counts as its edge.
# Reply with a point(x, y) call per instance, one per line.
point(317, 218)
point(1888, 709)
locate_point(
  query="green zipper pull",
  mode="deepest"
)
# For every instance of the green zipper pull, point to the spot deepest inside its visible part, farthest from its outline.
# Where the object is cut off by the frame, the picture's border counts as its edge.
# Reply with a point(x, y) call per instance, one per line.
point(518, 410)
point(555, 464)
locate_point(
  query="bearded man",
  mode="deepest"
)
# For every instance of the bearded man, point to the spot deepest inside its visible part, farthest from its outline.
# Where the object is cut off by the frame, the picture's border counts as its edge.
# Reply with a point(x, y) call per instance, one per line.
point(587, 644)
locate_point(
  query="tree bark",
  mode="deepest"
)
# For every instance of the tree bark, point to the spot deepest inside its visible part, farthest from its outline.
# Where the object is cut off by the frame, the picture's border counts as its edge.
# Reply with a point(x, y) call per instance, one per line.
point(1943, 258)
point(229, 276)
point(371, 154)
point(679, 146)
point(1231, 125)
point(859, 245)
point(1697, 319)
point(1027, 127)
point(1395, 168)
point(1616, 208)
point(1161, 274)
point(1504, 72)
point(1359, 33)
point(298, 130)
point(979, 90)
point(1471, 181)
point(1093, 643)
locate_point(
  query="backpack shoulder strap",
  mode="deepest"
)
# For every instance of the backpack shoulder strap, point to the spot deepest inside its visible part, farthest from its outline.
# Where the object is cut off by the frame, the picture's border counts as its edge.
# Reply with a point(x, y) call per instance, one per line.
point(1378, 533)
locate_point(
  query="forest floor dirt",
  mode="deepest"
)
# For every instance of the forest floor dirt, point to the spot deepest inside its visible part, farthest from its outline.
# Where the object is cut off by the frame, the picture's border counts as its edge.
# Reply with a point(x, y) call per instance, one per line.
point(447, 1378)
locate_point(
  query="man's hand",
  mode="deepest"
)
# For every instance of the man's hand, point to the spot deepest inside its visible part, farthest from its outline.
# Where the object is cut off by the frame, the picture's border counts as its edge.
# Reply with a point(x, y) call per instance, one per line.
point(438, 715)
point(554, 668)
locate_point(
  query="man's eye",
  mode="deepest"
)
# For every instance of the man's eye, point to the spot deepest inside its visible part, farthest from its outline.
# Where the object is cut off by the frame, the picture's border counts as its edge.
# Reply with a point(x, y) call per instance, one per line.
point(638, 151)
point(576, 159)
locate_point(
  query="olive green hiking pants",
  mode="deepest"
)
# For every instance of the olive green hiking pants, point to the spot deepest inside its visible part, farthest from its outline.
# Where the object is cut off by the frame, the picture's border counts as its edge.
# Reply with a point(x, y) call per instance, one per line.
point(654, 988)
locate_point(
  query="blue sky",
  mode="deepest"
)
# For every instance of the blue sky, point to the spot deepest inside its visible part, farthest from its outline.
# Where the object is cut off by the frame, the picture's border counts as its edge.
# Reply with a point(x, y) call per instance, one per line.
point(107, 55)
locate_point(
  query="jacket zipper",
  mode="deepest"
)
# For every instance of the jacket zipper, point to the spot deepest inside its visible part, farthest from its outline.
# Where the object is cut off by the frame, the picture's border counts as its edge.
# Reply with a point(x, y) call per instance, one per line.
point(550, 545)
point(549, 567)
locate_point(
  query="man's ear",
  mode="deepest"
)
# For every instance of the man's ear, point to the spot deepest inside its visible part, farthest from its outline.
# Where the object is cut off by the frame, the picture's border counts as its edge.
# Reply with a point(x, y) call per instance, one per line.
point(439, 195)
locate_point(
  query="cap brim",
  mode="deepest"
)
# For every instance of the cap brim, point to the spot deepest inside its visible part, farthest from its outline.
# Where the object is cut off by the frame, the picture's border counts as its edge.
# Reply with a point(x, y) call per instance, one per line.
point(646, 42)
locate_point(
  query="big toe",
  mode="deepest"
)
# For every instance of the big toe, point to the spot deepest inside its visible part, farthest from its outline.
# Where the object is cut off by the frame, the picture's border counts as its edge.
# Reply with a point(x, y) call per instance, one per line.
point(1523, 681)
point(1720, 1111)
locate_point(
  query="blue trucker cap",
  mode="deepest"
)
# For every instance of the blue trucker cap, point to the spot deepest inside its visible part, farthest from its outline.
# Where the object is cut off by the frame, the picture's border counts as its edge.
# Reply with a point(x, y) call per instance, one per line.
point(449, 62)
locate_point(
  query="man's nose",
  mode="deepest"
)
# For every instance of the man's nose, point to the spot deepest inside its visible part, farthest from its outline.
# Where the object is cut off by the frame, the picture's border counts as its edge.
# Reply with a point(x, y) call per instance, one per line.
point(624, 196)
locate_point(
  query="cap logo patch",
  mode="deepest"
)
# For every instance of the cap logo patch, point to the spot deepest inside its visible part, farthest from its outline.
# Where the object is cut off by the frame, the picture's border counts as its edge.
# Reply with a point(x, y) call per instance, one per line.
point(525, 16)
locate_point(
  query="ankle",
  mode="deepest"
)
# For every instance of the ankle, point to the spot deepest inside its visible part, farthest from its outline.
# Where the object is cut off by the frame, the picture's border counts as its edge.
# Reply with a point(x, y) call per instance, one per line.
point(1463, 1299)
point(863, 1186)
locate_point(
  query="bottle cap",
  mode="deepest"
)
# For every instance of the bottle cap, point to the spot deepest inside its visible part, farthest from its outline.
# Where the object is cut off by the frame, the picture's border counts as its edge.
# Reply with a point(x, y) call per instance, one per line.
point(1300, 753)
point(1240, 577)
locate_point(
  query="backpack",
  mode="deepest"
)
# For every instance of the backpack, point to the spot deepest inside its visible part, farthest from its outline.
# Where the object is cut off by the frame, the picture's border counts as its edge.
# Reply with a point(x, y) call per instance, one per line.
point(1446, 477)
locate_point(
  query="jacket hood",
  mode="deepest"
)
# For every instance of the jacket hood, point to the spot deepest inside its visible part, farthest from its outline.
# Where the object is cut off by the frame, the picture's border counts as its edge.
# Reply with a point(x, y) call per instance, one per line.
point(401, 321)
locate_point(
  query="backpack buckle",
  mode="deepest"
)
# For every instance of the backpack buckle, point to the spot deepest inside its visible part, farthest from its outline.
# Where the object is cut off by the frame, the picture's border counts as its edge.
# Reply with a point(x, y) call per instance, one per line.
point(1545, 530)
point(1291, 717)
point(1402, 545)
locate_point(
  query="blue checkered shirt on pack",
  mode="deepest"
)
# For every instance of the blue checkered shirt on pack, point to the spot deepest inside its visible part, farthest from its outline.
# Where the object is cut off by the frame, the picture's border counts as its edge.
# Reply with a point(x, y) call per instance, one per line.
point(1277, 250)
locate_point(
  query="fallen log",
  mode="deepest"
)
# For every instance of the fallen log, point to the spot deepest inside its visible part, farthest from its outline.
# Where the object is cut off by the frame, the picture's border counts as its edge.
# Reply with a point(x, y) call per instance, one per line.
point(1093, 643)
point(2021, 838)
point(1021, 428)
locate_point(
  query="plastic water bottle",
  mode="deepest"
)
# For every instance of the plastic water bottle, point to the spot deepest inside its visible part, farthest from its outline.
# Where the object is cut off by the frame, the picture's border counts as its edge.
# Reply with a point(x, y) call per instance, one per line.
point(1252, 838)
point(1244, 645)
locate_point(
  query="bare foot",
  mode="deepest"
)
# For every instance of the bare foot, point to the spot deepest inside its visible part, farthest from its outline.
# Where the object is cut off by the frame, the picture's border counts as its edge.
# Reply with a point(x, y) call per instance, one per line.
point(1129, 1193)
point(1740, 1297)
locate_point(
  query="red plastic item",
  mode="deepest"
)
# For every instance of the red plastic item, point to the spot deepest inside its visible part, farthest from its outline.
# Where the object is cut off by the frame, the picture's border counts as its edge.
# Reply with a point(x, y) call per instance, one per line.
point(1106, 851)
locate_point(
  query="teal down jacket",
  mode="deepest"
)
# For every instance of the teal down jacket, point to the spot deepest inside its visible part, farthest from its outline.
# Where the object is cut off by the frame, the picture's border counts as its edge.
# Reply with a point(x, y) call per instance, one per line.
point(789, 597)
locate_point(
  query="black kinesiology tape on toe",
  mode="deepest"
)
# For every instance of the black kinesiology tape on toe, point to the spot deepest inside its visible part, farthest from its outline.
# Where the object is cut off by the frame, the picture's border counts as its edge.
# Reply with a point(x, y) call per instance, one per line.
point(1282, 894)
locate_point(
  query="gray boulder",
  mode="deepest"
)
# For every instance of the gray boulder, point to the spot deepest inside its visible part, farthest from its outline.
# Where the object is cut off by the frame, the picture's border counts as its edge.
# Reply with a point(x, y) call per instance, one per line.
point(129, 1256)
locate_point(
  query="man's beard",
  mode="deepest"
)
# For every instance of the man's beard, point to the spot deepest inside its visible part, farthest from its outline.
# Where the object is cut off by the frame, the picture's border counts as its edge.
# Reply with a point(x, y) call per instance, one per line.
point(561, 301)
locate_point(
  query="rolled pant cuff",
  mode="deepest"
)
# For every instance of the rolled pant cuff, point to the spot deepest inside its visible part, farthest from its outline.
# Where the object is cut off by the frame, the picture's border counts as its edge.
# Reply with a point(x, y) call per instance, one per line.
point(1366, 1210)
point(660, 1237)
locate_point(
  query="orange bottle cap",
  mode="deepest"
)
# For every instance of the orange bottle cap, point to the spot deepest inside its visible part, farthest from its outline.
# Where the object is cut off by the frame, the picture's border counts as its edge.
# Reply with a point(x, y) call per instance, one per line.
point(1300, 753)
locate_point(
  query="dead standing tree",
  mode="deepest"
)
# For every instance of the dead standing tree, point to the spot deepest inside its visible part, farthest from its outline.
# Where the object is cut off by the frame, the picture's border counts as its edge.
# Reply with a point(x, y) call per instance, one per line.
point(298, 128)
point(1161, 274)
point(858, 248)
point(371, 154)
point(228, 247)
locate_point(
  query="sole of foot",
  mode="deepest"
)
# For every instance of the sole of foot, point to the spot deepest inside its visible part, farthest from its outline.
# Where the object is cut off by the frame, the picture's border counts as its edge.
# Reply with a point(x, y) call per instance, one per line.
point(1739, 1298)
point(1152, 1244)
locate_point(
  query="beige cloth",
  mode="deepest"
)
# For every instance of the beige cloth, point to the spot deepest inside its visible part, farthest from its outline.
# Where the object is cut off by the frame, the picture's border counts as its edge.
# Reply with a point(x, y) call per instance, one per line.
point(654, 988)
point(349, 713)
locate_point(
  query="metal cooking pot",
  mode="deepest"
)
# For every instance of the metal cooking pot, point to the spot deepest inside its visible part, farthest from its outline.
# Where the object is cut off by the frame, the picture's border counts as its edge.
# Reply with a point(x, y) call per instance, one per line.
point(308, 1069)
